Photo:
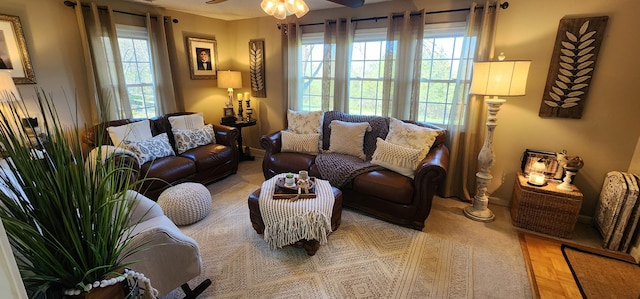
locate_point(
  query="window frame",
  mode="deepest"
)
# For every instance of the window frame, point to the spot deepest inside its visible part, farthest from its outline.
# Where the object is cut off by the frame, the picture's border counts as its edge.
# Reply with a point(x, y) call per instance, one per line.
point(312, 101)
point(147, 90)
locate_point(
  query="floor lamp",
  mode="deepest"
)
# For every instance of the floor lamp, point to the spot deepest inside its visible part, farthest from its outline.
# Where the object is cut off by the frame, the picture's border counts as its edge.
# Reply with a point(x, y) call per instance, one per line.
point(493, 78)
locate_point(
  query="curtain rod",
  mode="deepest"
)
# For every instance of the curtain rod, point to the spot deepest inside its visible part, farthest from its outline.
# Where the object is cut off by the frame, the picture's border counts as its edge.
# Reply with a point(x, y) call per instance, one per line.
point(73, 4)
point(504, 5)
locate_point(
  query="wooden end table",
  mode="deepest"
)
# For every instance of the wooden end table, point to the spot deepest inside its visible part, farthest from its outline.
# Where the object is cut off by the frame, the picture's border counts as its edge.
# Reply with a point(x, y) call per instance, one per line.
point(245, 153)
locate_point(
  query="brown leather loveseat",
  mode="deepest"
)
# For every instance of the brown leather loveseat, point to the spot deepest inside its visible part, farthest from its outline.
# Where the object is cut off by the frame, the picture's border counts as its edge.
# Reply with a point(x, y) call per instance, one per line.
point(203, 164)
point(380, 192)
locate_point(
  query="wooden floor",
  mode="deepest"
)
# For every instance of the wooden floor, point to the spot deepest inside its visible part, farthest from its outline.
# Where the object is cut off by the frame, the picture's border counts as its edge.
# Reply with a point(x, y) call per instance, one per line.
point(549, 274)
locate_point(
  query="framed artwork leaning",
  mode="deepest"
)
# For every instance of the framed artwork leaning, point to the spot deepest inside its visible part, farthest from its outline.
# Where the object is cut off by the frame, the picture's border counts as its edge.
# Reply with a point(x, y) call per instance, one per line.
point(14, 56)
point(531, 156)
point(203, 57)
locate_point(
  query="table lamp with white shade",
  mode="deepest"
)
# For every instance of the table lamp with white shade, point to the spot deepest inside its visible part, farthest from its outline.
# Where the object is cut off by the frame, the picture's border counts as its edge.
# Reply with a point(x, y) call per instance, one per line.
point(229, 80)
point(493, 78)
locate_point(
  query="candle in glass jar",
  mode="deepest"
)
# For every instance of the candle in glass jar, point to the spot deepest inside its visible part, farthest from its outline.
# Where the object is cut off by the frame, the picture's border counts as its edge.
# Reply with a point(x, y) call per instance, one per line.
point(537, 179)
point(239, 96)
point(246, 95)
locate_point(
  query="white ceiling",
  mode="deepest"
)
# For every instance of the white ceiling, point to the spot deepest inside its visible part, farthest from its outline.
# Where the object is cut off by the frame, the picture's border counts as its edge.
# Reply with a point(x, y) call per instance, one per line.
point(232, 9)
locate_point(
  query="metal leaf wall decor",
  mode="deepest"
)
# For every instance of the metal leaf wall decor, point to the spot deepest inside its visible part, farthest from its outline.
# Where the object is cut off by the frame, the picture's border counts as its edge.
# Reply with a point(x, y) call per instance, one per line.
point(572, 65)
point(256, 68)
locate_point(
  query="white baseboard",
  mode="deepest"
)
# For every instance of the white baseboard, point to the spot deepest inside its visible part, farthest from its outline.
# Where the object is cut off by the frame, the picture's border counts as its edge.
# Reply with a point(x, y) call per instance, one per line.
point(585, 219)
point(499, 201)
point(257, 151)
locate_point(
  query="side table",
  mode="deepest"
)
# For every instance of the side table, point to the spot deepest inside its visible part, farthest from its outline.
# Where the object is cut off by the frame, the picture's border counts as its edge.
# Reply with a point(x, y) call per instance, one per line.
point(245, 154)
point(545, 209)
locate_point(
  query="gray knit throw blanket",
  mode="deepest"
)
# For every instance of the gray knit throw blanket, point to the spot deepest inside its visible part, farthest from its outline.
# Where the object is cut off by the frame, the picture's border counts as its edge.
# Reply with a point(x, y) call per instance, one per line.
point(339, 169)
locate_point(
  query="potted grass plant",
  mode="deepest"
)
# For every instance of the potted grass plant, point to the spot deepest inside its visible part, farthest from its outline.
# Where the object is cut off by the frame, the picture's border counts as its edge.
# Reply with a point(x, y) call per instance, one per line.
point(66, 217)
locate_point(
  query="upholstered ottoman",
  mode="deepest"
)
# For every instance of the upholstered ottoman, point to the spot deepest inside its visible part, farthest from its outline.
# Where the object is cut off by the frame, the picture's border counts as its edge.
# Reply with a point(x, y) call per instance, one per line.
point(185, 203)
point(311, 246)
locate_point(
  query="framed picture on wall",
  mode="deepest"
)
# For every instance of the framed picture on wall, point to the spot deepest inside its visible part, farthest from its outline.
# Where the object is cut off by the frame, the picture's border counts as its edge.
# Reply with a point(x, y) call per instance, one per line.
point(14, 56)
point(203, 57)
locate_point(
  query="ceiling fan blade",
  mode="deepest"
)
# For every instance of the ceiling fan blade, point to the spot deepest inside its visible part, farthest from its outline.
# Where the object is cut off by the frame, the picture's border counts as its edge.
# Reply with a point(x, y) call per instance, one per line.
point(349, 3)
point(215, 1)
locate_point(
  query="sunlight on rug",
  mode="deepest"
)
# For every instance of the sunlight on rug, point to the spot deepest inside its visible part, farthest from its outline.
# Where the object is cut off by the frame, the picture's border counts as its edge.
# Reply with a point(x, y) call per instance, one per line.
point(364, 258)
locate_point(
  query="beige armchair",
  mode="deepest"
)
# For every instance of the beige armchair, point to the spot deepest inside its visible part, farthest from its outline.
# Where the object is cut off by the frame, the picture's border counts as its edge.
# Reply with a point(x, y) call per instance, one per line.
point(172, 258)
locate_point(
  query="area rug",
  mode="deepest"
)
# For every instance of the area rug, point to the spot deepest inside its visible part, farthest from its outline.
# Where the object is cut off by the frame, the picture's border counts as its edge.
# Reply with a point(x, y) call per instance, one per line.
point(364, 258)
point(602, 276)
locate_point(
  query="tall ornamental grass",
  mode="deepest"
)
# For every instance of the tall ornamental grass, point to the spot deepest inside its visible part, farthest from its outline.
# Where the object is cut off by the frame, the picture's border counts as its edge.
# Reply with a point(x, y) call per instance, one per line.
point(67, 220)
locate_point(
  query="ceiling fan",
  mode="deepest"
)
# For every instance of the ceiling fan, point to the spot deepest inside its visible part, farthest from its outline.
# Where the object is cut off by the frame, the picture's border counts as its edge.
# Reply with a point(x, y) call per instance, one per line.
point(348, 3)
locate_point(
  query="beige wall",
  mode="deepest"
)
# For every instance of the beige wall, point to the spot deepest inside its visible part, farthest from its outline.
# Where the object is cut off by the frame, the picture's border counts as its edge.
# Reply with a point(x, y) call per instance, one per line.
point(605, 137)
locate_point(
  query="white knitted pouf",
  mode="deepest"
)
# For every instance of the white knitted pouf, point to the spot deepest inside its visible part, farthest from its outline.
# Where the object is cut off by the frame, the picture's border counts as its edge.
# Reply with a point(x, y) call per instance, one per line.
point(185, 203)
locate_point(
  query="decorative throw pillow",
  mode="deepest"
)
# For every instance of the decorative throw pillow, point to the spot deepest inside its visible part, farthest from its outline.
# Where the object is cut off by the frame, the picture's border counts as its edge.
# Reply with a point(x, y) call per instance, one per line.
point(151, 149)
point(302, 143)
point(411, 135)
point(137, 131)
point(304, 122)
point(348, 138)
point(188, 139)
point(400, 159)
point(187, 122)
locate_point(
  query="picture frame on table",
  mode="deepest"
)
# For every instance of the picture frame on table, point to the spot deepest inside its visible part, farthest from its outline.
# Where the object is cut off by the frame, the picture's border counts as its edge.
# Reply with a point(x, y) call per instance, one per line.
point(228, 111)
point(14, 56)
point(203, 58)
point(531, 156)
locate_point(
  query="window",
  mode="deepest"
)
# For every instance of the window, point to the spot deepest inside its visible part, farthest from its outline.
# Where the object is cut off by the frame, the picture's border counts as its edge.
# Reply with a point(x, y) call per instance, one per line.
point(135, 55)
point(441, 56)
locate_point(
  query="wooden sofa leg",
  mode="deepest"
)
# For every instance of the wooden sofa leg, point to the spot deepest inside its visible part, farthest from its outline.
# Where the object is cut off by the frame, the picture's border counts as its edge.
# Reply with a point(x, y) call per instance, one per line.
point(192, 294)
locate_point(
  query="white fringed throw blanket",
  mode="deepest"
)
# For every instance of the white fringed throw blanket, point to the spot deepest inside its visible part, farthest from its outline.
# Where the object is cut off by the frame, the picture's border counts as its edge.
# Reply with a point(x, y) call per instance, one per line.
point(287, 222)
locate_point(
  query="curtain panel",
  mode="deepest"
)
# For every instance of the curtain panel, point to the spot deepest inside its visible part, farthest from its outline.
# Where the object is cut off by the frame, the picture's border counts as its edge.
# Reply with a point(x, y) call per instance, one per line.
point(291, 42)
point(159, 39)
point(466, 127)
point(401, 89)
point(107, 92)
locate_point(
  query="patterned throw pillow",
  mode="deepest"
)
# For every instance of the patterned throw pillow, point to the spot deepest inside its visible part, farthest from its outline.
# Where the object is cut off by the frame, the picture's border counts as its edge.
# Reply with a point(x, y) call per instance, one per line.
point(348, 138)
point(188, 139)
point(187, 122)
point(137, 131)
point(303, 122)
point(400, 159)
point(150, 149)
point(412, 136)
point(302, 143)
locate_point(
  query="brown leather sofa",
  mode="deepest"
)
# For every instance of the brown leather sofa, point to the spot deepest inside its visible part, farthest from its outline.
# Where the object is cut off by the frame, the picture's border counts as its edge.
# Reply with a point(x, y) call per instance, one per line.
point(204, 164)
point(381, 193)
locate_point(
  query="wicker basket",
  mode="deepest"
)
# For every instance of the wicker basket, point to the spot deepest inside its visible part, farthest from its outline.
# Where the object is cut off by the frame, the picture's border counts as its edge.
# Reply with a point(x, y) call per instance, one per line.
point(545, 209)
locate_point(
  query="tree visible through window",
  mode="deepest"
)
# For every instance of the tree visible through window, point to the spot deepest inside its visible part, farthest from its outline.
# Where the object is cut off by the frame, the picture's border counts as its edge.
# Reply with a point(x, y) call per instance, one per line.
point(138, 71)
point(441, 57)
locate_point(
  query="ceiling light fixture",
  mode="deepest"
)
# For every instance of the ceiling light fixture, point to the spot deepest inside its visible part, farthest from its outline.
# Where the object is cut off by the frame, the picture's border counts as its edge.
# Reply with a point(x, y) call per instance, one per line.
point(280, 9)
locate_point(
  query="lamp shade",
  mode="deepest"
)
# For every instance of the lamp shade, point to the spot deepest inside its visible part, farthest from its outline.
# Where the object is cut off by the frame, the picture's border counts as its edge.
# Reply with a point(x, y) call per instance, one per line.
point(7, 88)
point(229, 79)
point(500, 78)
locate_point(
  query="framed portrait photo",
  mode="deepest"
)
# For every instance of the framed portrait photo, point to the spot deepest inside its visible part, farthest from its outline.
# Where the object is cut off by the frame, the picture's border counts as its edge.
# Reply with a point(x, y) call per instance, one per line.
point(203, 57)
point(14, 56)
